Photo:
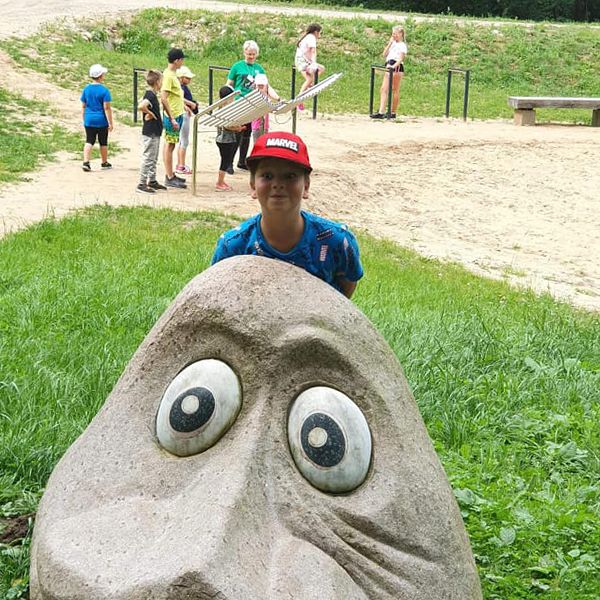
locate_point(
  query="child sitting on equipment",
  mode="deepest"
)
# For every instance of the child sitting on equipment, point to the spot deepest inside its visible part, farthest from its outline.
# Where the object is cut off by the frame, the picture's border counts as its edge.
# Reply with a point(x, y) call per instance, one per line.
point(280, 178)
point(261, 125)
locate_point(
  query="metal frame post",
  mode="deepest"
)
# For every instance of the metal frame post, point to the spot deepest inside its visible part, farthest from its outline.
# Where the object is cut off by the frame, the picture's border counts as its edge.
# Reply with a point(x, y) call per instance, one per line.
point(467, 75)
point(372, 89)
point(466, 94)
point(314, 108)
point(293, 95)
point(136, 72)
point(387, 72)
point(211, 80)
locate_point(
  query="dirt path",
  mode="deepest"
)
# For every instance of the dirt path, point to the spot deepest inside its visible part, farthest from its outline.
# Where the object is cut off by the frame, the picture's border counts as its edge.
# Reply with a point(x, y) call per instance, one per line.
point(507, 202)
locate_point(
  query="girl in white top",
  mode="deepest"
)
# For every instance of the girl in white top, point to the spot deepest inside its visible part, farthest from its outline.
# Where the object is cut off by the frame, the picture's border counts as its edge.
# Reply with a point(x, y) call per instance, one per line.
point(306, 57)
point(394, 54)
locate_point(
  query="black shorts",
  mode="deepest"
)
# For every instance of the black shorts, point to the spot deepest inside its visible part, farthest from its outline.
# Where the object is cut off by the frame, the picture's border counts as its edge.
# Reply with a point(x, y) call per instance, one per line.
point(398, 69)
point(91, 133)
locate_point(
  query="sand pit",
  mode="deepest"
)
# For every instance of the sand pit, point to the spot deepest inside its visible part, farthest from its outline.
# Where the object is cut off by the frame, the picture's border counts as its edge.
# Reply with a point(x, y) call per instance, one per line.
point(507, 202)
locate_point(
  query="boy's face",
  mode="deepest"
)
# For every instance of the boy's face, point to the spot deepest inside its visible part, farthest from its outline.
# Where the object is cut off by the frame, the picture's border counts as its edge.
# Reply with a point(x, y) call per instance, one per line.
point(279, 185)
point(185, 80)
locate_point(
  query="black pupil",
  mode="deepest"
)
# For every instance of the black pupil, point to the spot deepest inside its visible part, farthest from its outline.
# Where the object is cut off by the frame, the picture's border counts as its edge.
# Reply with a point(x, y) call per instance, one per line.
point(332, 451)
point(184, 422)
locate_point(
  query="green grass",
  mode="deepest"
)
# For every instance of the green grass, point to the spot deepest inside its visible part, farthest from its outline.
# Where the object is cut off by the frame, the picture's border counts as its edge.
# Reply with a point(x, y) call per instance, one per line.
point(505, 60)
point(29, 136)
point(508, 383)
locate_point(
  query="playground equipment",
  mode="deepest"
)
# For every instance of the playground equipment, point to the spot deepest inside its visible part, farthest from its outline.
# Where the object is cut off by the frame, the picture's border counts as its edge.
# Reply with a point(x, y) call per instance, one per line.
point(211, 89)
point(390, 75)
point(467, 74)
point(136, 72)
point(246, 109)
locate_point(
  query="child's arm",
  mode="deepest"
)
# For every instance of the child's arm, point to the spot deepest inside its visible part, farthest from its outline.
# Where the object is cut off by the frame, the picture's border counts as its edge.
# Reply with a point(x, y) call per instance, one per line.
point(109, 115)
point(83, 113)
point(272, 93)
point(349, 270)
point(385, 50)
point(145, 107)
point(347, 286)
point(164, 98)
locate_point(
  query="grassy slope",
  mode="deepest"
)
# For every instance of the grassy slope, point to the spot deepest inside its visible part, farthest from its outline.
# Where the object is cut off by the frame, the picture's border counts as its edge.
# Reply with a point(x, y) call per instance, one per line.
point(508, 384)
point(505, 60)
point(28, 136)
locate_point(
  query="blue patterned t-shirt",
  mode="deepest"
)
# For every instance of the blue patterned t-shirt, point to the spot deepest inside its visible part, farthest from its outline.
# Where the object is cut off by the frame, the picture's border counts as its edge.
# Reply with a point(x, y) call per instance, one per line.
point(327, 250)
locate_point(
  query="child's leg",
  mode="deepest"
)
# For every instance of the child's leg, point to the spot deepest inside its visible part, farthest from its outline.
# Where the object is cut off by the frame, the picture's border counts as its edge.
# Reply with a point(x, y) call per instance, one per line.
point(153, 152)
point(103, 141)
point(184, 139)
point(383, 93)
point(146, 164)
point(90, 140)
point(226, 151)
point(396, 91)
point(168, 159)
point(308, 80)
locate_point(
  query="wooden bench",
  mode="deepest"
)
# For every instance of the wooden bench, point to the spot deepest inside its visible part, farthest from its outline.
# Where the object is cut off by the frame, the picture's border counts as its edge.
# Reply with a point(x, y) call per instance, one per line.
point(524, 107)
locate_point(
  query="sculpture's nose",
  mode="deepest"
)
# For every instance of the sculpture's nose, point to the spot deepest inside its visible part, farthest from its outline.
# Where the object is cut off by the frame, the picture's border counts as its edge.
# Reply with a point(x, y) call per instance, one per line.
point(218, 537)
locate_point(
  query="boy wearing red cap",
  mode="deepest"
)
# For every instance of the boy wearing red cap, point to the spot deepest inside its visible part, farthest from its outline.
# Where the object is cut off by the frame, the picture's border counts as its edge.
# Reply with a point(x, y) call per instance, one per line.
point(280, 179)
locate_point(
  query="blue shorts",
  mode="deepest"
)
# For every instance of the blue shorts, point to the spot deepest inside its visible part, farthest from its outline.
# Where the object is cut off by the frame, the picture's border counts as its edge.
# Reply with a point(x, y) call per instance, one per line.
point(172, 135)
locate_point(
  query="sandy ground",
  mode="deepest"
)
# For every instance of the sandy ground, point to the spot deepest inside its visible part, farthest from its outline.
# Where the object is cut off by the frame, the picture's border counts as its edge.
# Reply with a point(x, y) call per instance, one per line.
point(507, 202)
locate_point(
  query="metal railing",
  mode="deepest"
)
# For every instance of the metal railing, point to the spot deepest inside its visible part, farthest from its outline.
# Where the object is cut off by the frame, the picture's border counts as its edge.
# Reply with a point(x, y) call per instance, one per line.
point(211, 80)
point(467, 74)
point(136, 72)
point(390, 71)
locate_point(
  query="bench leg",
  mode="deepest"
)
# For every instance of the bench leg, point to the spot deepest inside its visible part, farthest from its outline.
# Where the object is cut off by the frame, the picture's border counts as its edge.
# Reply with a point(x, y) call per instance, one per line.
point(524, 116)
point(596, 118)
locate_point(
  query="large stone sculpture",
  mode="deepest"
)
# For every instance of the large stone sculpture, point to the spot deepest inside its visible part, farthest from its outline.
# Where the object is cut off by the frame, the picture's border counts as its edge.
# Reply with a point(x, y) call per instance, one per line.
point(261, 444)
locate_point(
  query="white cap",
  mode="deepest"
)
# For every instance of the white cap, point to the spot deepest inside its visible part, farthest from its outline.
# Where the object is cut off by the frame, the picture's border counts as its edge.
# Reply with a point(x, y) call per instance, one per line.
point(97, 70)
point(184, 72)
point(261, 79)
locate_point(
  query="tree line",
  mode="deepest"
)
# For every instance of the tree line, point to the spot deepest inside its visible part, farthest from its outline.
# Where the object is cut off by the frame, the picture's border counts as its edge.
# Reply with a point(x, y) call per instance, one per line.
point(536, 10)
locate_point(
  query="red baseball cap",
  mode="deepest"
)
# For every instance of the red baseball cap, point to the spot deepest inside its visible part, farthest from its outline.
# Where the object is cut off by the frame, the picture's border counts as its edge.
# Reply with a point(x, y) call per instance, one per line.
point(281, 144)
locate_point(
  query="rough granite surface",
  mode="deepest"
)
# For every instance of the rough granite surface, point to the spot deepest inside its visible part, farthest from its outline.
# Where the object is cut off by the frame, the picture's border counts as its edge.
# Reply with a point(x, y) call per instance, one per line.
point(124, 519)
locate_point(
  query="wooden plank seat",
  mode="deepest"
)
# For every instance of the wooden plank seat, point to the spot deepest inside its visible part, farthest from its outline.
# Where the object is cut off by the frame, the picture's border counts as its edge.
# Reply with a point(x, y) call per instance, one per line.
point(524, 107)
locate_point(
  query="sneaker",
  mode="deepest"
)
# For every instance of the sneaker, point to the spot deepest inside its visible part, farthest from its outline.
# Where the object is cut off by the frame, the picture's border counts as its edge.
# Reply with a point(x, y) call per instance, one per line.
point(377, 115)
point(106, 165)
point(156, 186)
point(183, 170)
point(243, 167)
point(182, 179)
point(142, 188)
point(175, 182)
point(230, 170)
point(86, 167)
point(391, 115)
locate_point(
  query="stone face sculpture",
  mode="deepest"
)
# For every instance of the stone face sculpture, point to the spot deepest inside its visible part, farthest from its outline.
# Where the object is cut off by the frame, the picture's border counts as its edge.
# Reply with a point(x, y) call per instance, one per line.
point(261, 444)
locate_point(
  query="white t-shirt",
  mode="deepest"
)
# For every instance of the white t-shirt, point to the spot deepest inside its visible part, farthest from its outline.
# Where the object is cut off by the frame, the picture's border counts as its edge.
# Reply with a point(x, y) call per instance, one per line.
point(396, 49)
point(308, 41)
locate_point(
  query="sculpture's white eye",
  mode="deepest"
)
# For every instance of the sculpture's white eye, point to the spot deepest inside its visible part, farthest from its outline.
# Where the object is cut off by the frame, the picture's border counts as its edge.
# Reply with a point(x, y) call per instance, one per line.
point(330, 440)
point(198, 407)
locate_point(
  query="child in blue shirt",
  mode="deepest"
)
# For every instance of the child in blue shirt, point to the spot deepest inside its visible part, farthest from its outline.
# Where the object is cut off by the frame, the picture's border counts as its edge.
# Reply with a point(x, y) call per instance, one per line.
point(280, 179)
point(97, 116)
